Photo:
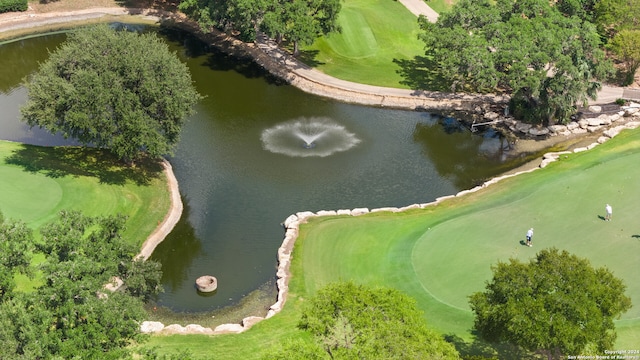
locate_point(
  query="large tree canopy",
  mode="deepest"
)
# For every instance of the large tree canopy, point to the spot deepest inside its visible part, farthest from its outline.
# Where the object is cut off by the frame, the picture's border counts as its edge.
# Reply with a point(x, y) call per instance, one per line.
point(546, 60)
point(612, 16)
point(71, 315)
point(299, 21)
point(352, 321)
point(113, 89)
point(557, 303)
point(626, 45)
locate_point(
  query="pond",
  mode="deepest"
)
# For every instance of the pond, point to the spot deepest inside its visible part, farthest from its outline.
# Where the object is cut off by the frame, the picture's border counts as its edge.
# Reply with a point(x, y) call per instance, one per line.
point(237, 188)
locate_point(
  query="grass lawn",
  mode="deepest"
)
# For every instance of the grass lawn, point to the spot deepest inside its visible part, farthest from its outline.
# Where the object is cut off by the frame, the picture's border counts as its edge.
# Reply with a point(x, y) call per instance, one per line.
point(441, 6)
point(442, 254)
point(38, 182)
point(374, 34)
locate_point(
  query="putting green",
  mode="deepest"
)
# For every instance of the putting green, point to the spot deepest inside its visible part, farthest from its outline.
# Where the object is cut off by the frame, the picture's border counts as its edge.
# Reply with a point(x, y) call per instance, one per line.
point(36, 183)
point(356, 39)
point(452, 260)
point(442, 254)
point(27, 197)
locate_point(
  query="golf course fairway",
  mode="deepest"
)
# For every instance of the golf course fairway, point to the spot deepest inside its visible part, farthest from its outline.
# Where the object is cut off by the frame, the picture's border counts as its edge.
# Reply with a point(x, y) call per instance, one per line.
point(36, 183)
point(442, 254)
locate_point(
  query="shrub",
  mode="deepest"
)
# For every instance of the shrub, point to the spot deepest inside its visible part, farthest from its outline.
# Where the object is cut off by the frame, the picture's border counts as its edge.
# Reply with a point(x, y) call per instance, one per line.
point(13, 5)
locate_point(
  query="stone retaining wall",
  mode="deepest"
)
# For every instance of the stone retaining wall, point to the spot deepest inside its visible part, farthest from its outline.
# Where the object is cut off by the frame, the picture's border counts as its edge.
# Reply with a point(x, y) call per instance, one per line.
point(610, 125)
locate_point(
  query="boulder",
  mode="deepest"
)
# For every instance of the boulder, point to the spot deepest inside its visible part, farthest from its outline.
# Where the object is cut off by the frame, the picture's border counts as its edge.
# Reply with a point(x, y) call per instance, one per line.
point(359, 211)
point(594, 122)
point(228, 329)
point(538, 131)
point(522, 127)
point(290, 220)
point(572, 125)
point(390, 209)
point(148, 327)
point(491, 115)
point(583, 123)
point(197, 329)
point(594, 108)
point(248, 322)
point(175, 329)
point(554, 129)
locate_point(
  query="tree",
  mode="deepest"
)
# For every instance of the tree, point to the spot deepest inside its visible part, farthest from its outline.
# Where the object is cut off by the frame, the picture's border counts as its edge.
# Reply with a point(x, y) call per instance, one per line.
point(72, 315)
point(612, 16)
point(547, 61)
point(16, 246)
point(113, 89)
point(626, 45)
point(240, 17)
point(301, 22)
point(557, 304)
point(353, 321)
point(298, 21)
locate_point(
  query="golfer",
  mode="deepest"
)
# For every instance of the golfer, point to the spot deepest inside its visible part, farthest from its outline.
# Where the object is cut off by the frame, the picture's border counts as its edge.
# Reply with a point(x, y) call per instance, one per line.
point(529, 237)
point(609, 211)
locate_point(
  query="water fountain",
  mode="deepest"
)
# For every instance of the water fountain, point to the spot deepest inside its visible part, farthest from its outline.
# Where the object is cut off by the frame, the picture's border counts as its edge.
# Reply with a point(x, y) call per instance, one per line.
point(308, 137)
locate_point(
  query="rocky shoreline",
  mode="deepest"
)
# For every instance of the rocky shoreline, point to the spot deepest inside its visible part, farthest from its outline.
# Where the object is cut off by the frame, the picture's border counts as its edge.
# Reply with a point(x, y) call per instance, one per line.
point(277, 63)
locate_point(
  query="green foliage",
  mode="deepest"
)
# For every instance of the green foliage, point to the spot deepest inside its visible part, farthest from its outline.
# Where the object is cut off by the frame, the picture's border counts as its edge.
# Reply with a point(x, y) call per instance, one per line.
point(16, 247)
point(300, 22)
point(613, 16)
point(353, 321)
point(556, 303)
point(549, 62)
point(13, 5)
point(72, 315)
point(113, 89)
point(584, 9)
point(626, 45)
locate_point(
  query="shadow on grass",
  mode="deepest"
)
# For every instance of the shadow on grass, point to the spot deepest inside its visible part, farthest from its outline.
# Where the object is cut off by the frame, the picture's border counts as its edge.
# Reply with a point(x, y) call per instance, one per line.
point(309, 58)
point(58, 162)
point(418, 74)
point(478, 349)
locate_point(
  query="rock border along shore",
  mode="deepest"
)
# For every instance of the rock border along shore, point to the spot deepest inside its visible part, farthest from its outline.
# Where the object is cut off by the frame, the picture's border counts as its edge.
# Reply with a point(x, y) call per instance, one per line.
point(266, 53)
point(627, 118)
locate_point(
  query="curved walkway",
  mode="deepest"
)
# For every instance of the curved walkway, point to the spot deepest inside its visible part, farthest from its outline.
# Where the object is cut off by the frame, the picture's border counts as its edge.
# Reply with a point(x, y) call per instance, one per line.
point(297, 73)
point(310, 80)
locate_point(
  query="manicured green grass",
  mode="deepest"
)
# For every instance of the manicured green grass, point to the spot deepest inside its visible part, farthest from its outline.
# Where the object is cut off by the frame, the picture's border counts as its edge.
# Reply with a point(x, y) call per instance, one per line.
point(374, 34)
point(441, 6)
point(442, 254)
point(38, 182)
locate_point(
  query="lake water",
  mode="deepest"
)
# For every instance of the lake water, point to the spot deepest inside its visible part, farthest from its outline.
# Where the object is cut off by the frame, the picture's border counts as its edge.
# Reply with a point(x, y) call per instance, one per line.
point(236, 192)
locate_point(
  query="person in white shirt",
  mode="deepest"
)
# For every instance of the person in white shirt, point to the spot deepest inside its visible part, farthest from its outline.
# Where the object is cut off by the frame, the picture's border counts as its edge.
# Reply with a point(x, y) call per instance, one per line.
point(529, 237)
point(609, 211)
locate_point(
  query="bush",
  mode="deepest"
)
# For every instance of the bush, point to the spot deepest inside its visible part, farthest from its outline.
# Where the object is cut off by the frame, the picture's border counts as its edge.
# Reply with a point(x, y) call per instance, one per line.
point(13, 5)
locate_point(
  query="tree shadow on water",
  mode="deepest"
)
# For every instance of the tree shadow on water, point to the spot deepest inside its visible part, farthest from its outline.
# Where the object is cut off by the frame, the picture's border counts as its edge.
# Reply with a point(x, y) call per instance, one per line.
point(478, 349)
point(57, 162)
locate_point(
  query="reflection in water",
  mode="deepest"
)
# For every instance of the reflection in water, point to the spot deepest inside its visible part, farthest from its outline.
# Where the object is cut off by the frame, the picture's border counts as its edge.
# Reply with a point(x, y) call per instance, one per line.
point(177, 252)
point(448, 143)
point(236, 194)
